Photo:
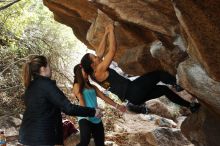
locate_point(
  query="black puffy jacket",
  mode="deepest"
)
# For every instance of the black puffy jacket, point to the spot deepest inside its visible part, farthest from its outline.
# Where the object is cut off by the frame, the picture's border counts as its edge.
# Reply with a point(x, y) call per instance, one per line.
point(42, 121)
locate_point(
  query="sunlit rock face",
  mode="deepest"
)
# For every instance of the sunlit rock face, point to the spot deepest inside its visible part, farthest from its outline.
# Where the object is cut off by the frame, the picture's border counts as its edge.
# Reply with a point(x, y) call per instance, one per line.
point(179, 36)
point(137, 24)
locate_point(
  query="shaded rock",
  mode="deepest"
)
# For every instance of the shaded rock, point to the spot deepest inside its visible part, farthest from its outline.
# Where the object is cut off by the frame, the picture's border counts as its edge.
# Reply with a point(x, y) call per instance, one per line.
point(202, 128)
point(138, 130)
point(200, 21)
point(162, 137)
point(133, 55)
point(8, 121)
point(11, 126)
point(97, 30)
point(163, 122)
point(73, 8)
point(89, 27)
point(196, 81)
point(169, 57)
point(180, 121)
point(73, 14)
point(159, 121)
point(159, 108)
point(134, 122)
point(154, 15)
point(74, 139)
point(138, 60)
point(191, 27)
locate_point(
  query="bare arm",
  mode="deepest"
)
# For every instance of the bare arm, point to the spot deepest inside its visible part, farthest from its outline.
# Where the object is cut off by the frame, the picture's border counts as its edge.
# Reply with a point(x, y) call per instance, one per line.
point(103, 66)
point(78, 94)
point(102, 46)
point(109, 100)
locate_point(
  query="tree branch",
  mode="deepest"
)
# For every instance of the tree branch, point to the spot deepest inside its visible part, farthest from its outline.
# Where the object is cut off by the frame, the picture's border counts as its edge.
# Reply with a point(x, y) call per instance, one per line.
point(8, 5)
point(9, 88)
point(16, 62)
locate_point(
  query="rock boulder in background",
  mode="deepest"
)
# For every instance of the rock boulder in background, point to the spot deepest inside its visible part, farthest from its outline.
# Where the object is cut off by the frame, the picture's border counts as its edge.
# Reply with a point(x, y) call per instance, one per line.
point(185, 29)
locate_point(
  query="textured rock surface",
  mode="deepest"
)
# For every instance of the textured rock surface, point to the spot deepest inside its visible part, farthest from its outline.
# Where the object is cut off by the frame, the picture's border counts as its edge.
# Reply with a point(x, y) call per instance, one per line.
point(158, 35)
point(202, 128)
point(200, 20)
point(152, 134)
point(10, 125)
point(135, 26)
point(135, 59)
point(73, 14)
point(156, 16)
point(197, 81)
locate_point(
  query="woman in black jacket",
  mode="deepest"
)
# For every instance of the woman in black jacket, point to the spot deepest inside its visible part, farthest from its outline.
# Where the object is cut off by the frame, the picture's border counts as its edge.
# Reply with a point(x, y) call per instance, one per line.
point(42, 121)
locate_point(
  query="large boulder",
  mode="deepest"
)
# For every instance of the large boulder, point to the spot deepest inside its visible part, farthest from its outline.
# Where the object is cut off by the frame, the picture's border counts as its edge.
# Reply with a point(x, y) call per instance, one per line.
point(202, 128)
point(154, 15)
point(73, 14)
point(201, 23)
point(136, 28)
point(196, 80)
point(155, 35)
point(148, 130)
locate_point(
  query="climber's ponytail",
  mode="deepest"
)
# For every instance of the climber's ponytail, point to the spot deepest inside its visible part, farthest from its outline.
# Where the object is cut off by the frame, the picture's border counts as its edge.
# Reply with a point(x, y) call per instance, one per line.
point(26, 74)
point(32, 67)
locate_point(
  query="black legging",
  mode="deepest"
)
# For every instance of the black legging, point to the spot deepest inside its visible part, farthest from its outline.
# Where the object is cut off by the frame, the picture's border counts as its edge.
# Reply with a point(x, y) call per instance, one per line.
point(87, 129)
point(145, 88)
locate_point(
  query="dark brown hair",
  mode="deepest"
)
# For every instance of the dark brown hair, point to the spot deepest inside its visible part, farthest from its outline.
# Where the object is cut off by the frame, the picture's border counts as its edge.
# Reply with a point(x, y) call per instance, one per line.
point(86, 62)
point(32, 67)
point(79, 77)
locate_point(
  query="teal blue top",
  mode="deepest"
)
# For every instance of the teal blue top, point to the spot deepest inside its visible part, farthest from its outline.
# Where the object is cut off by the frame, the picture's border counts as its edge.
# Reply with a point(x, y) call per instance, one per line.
point(90, 99)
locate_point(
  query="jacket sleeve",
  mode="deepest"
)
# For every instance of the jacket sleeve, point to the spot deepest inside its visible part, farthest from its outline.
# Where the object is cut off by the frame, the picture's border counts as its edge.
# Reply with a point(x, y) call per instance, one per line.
point(57, 97)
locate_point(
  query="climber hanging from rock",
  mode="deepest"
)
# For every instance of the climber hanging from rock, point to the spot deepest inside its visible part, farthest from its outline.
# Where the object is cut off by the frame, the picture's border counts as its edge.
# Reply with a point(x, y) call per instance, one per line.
point(136, 92)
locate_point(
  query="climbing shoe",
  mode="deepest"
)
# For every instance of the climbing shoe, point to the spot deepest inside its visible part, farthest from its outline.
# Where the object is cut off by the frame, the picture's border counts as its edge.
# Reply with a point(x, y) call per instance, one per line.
point(194, 107)
point(178, 88)
point(138, 109)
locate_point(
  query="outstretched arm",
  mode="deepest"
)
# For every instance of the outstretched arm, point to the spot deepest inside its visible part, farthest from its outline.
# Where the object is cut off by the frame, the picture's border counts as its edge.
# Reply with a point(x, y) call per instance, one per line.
point(102, 46)
point(109, 100)
point(58, 99)
point(103, 66)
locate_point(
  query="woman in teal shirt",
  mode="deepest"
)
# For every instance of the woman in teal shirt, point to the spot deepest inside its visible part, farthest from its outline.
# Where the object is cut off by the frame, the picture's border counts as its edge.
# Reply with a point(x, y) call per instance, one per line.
point(87, 95)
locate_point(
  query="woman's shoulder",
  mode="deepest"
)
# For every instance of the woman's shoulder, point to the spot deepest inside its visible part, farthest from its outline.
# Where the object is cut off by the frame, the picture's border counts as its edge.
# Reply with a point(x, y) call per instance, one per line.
point(42, 85)
point(44, 81)
point(90, 89)
point(76, 87)
point(101, 76)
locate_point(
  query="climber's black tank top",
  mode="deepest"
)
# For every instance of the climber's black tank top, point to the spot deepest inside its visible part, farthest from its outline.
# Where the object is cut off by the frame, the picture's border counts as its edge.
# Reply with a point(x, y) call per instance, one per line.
point(115, 83)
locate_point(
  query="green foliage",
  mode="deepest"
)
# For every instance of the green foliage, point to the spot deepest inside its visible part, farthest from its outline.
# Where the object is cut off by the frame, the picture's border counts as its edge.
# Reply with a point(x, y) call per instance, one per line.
point(26, 28)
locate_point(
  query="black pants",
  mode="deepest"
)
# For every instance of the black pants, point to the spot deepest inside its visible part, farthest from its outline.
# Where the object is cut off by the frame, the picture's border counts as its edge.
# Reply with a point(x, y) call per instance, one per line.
point(145, 88)
point(88, 129)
